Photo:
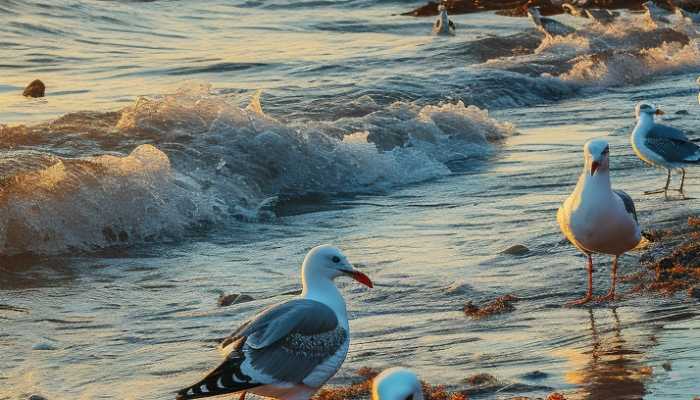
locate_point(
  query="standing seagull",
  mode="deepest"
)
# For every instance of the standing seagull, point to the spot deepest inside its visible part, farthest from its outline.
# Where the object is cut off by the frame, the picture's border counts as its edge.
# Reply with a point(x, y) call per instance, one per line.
point(443, 25)
point(397, 384)
point(689, 17)
point(548, 26)
point(662, 146)
point(597, 219)
point(289, 350)
point(655, 14)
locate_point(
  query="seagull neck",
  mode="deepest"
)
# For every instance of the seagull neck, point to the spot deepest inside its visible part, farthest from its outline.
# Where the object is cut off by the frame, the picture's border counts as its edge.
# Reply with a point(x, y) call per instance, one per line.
point(645, 120)
point(324, 291)
point(596, 183)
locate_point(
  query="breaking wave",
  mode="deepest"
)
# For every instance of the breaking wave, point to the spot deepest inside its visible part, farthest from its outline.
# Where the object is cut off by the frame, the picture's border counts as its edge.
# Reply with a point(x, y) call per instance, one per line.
point(164, 166)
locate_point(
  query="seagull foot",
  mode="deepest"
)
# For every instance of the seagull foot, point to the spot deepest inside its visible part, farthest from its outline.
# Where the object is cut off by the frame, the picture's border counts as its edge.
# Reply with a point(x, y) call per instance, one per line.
point(580, 302)
point(608, 297)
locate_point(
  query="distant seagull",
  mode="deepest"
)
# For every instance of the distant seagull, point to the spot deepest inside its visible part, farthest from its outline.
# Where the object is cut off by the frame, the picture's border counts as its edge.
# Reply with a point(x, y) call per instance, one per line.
point(662, 146)
point(397, 384)
point(548, 26)
point(597, 219)
point(655, 14)
point(443, 25)
point(599, 15)
point(288, 351)
point(690, 17)
point(574, 10)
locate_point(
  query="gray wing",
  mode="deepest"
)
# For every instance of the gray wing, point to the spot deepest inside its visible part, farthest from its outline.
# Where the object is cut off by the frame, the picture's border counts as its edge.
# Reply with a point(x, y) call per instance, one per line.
point(667, 132)
point(672, 144)
point(556, 28)
point(629, 204)
point(286, 342)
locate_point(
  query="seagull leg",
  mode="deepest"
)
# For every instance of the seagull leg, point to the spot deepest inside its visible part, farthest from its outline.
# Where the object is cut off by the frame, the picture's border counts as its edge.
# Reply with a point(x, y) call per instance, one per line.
point(613, 282)
point(664, 189)
point(242, 396)
point(682, 182)
point(589, 295)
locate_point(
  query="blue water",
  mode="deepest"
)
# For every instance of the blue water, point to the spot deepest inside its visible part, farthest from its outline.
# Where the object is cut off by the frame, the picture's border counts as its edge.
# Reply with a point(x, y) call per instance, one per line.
point(186, 148)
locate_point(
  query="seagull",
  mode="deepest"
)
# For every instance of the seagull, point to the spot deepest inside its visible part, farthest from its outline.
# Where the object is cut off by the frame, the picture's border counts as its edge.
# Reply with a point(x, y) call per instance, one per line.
point(655, 14)
point(289, 350)
point(690, 17)
point(573, 10)
point(599, 15)
point(548, 26)
point(597, 219)
point(397, 384)
point(443, 25)
point(662, 146)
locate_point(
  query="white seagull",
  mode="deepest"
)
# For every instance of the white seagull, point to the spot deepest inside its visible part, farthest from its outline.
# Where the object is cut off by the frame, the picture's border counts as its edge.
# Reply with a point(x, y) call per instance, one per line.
point(655, 14)
point(397, 384)
point(443, 25)
point(548, 26)
point(690, 17)
point(289, 350)
point(597, 219)
point(662, 146)
point(599, 15)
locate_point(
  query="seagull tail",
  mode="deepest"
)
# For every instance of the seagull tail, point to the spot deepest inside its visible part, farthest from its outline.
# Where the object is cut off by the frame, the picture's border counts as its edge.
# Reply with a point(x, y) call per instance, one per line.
point(226, 378)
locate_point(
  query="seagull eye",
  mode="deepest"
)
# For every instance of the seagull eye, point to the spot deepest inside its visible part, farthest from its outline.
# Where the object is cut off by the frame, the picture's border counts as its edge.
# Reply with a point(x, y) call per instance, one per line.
point(336, 259)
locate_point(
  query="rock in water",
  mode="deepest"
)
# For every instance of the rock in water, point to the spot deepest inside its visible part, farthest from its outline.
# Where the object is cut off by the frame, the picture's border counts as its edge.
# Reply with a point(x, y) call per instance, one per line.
point(35, 89)
point(228, 299)
point(516, 250)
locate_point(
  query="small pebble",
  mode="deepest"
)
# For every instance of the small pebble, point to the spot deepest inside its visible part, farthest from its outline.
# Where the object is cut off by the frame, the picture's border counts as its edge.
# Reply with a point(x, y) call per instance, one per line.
point(35, 89)
point(516, 250)
point(666, 366)
point(37, 397)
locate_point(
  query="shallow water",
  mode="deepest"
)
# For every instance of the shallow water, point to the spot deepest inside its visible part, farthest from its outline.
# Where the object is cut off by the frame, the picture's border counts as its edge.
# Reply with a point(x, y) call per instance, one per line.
point(137, 219)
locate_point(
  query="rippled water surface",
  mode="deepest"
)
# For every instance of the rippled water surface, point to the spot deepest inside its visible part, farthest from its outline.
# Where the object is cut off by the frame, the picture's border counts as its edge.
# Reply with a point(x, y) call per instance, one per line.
point(120, 225)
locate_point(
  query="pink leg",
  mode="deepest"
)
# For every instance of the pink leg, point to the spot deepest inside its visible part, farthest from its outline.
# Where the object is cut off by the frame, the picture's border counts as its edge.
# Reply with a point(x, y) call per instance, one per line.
point(613, 282)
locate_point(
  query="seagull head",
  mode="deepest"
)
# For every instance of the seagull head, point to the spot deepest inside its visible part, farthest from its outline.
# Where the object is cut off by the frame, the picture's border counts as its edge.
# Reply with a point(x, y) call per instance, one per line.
point(328, 262)
point(397, 384)
point(647, 109)
point(535, 10)
point(442, 8)
point(596, 153)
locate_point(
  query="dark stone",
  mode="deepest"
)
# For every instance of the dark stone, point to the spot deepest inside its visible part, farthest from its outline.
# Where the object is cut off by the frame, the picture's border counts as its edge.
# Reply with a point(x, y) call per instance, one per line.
point(37, 397)
point(35, 89)
point(226, 300)
point(516, 250)
point(682, 112)
point(535, 375)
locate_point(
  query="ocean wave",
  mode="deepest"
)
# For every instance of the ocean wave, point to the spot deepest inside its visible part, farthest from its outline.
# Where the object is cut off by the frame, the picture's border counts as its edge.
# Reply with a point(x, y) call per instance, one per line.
point(165, 166)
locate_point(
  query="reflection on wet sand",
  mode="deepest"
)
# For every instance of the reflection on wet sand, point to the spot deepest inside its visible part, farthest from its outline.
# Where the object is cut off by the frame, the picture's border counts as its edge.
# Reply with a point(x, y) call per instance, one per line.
point(612, 368)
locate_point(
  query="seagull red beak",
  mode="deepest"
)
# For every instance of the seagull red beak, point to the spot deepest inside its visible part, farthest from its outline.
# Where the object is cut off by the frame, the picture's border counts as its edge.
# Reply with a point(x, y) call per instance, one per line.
point(594, 167)
point(360, 277)
point(659, 112)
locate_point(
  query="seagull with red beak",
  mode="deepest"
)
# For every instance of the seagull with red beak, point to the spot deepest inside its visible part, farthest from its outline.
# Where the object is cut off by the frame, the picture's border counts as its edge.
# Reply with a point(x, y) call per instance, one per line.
point(597, 219)
point(289, 350)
